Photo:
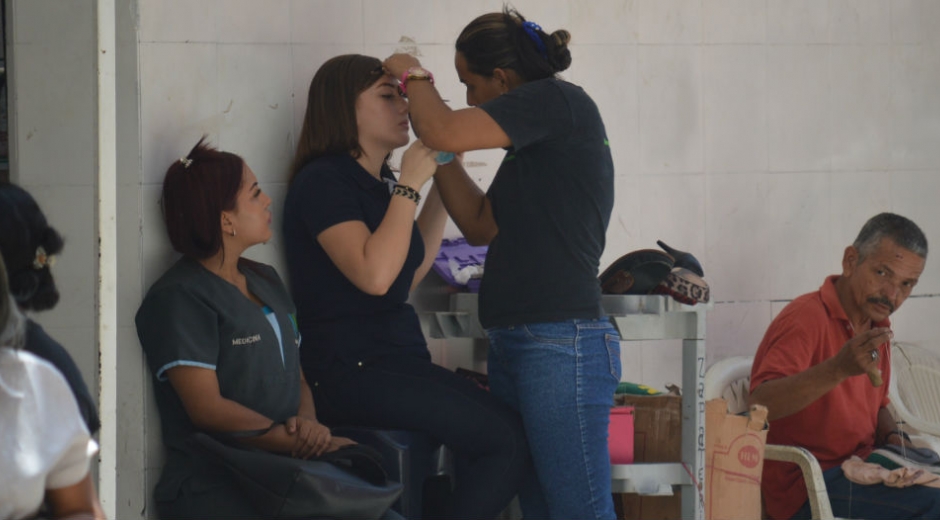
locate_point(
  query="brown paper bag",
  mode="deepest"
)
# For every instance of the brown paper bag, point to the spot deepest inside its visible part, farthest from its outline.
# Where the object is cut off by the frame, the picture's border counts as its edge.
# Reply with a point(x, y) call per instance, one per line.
point(734, 460)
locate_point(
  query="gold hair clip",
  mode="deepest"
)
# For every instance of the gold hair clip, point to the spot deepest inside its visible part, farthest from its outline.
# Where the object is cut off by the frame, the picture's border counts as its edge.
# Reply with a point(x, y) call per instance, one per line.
point(42, 259)
point(187, 162)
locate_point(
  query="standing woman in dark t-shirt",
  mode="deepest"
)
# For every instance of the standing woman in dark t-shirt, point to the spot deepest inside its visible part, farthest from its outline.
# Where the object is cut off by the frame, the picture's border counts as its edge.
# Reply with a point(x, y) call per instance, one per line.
point(219, 335)
point(553, 354)
point(354, 251)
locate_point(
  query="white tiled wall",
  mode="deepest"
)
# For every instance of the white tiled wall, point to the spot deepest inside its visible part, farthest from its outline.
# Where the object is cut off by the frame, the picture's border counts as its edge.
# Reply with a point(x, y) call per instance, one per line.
point(52, 80)
point(798, 129)
point(757, 134)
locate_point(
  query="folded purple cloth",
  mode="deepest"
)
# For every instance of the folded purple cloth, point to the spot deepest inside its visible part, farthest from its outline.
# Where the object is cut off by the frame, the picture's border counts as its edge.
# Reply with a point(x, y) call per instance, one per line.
point(463, 255)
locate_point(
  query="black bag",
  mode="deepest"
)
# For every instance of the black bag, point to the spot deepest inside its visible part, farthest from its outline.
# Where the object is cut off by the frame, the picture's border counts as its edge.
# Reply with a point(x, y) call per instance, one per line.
point(346, 483)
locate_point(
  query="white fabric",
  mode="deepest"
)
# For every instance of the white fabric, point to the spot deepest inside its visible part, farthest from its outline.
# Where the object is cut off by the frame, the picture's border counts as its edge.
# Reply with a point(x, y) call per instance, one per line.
point(730, 379)
point(44, 443)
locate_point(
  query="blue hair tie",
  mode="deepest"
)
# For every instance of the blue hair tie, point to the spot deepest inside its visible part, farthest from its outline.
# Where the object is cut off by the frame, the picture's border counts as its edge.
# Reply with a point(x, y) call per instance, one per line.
point(531, 29)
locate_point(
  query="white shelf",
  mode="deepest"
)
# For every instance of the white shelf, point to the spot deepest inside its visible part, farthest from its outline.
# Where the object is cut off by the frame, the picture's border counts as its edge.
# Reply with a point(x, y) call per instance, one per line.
point(649, 478)
point(637, 317)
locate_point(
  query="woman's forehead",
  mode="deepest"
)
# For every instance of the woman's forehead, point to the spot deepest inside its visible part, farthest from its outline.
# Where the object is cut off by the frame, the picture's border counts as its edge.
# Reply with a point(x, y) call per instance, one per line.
point(386, 80)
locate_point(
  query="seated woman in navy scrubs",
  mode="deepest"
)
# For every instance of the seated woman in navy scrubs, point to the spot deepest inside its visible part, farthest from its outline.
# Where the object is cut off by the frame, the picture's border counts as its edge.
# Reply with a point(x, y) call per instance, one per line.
point(220, 336)
point(354, 251)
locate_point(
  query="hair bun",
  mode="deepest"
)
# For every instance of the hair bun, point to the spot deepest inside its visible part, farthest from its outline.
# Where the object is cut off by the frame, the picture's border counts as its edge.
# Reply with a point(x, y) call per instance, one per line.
point(51, 241)
point(559, 55)
point(23, 287)
point(561, 38)
point(46, 295)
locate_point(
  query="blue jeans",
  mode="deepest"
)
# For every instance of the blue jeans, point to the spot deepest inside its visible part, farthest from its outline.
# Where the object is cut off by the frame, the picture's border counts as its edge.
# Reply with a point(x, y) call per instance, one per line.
point(877, 501)
point(561, 377)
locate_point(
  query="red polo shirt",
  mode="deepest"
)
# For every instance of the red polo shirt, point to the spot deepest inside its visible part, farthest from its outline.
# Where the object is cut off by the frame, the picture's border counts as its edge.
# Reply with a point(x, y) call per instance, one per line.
point(842, 423)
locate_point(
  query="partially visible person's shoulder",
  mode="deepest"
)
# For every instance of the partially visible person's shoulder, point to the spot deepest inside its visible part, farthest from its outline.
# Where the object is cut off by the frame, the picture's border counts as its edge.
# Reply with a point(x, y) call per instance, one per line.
point(578, 100)
point(567, 86)
point(186, 276)
point(36, 335)
point(182, 272)
point(570, 90)
point(26, 368)
point(41, 344)
point(38, 342)
point(326, 167)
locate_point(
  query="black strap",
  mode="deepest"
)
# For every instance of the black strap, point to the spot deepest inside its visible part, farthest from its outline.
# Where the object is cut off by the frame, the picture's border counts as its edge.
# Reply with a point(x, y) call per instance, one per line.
point(361, 459)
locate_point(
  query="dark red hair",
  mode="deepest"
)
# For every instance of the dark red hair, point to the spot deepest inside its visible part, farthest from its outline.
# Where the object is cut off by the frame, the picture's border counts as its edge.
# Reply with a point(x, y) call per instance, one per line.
point(196, 190)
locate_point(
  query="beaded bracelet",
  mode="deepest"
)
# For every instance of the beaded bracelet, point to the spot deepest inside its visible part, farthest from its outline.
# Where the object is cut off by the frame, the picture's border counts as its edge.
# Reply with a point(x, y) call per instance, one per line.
point(408, 192)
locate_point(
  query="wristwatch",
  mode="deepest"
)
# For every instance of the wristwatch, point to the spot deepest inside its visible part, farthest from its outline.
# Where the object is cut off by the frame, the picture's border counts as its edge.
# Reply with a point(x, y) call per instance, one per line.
point(417, 73)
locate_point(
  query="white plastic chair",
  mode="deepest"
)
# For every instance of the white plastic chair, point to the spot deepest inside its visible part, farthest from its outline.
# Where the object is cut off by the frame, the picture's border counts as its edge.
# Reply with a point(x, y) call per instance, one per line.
point(915, 391)
point(730, 379)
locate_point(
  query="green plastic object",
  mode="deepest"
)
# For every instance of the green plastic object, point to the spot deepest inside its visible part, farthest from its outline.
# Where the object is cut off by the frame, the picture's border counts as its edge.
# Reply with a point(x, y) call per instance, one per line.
point(635, 389)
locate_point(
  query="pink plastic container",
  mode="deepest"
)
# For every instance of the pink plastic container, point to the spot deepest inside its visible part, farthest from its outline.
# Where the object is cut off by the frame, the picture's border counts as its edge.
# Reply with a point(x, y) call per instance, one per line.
point(620, 435)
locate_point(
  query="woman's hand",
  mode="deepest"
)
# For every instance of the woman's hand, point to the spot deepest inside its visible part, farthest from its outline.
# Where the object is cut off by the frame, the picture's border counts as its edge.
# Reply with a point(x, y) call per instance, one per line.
point(397, 64)
point(417, 165)
point(310, 437)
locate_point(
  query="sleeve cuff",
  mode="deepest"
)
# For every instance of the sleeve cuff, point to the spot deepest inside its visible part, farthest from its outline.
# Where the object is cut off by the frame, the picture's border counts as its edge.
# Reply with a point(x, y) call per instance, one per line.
point(181, 362)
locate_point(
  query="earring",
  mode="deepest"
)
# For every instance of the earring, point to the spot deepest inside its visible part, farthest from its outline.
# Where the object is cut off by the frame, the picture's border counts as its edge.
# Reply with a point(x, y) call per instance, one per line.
point(233, 232)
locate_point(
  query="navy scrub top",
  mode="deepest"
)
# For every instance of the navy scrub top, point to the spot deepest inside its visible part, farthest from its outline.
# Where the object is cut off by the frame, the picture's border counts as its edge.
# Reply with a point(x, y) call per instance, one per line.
point(192, 317)
point(338, 321)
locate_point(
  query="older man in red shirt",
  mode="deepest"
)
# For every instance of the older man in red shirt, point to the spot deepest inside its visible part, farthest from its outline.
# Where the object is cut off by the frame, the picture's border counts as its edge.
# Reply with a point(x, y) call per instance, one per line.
point(810, 368)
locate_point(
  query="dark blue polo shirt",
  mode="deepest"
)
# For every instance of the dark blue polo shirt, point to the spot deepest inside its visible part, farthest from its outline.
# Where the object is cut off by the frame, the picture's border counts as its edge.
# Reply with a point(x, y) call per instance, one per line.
point(337, 320)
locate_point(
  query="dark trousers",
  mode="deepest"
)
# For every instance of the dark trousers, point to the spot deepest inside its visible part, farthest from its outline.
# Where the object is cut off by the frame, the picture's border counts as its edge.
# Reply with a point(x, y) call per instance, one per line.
point(409, 393)
point(876, 501)
point(219, 502)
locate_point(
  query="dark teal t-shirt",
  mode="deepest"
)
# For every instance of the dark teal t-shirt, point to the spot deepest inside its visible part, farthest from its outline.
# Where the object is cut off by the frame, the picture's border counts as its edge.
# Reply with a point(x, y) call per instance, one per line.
point(191, 317)
point(552, 198)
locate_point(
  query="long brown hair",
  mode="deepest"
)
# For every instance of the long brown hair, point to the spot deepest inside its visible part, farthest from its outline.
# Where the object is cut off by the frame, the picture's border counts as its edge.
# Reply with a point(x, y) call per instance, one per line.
point(501, 40)
point(330, 120)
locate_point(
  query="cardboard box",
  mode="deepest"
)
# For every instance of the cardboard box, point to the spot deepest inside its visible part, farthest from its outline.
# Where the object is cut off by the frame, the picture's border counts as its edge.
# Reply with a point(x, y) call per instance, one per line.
point(657, 426)
point(734, 460)
point(630, 506)
point(657, 437)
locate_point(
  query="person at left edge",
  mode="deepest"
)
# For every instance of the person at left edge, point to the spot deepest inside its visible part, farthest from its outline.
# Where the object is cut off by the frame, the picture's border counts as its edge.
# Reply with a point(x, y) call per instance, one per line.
point(46, 447)
point(220, 337)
